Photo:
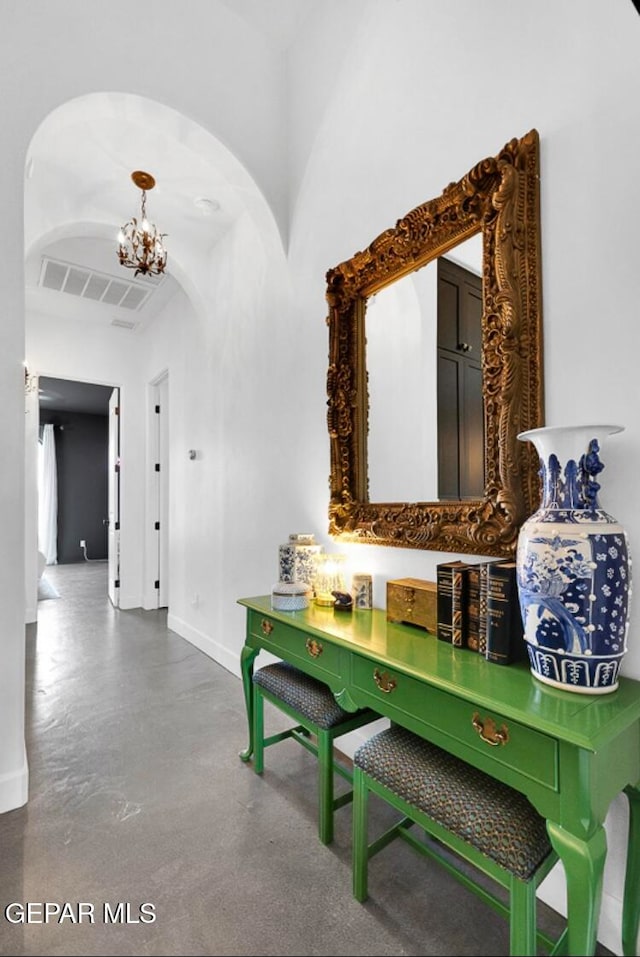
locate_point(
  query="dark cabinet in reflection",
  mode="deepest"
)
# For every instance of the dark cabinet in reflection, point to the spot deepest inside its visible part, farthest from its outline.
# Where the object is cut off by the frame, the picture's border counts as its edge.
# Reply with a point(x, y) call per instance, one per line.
point(460, 406)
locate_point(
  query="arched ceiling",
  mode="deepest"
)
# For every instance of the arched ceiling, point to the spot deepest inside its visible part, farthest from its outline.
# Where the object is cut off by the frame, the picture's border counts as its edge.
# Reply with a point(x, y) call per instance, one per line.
point(78, 192)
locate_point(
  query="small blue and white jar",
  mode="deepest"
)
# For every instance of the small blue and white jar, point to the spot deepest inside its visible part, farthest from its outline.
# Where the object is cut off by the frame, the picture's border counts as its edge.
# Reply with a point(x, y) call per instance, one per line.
point(573, 566)
point(296, 558)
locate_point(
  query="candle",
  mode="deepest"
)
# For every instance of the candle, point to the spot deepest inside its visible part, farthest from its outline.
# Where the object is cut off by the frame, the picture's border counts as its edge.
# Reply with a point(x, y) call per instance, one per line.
point(329, 577)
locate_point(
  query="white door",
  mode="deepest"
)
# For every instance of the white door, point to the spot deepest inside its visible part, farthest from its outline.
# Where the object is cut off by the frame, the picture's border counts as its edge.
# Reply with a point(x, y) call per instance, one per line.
point(113, 537)
point(163, 492)
point(159, 492)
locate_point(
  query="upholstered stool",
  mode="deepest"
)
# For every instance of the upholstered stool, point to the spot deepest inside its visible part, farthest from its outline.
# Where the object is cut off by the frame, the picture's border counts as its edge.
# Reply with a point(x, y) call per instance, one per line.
point(311, 705)
point(485, 822)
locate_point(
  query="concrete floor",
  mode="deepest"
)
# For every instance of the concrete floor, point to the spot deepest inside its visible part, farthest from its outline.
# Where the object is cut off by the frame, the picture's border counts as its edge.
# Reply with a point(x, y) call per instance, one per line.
point(137, 795)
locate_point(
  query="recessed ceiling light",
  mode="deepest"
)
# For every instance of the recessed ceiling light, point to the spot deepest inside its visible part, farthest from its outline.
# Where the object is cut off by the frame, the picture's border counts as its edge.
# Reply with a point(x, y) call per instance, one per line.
point(207, 206)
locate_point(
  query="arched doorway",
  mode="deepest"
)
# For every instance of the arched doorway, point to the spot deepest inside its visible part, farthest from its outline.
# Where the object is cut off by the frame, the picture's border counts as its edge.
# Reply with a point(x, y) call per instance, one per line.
point(78, 192)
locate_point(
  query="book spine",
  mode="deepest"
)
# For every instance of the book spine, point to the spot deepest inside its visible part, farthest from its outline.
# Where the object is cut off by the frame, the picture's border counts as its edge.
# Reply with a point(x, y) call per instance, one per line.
point(444, 581)
point(473, 607)
point(483, 572)
point(504, 622)
point(459, 609)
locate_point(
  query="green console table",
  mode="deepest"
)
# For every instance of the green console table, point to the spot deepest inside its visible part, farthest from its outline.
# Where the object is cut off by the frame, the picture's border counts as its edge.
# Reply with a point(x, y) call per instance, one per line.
point(570, 753)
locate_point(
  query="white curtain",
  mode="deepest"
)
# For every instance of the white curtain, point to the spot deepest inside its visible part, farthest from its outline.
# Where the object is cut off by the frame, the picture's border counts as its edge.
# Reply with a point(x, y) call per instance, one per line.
point(48, 497)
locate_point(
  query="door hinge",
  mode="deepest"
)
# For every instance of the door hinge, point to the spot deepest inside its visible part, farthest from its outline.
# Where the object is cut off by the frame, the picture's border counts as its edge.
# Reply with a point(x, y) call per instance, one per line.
point(117, 526)
point(157, 410)
point(116, 583)
point(157, 526)
point(156, 583)
point(157, 466)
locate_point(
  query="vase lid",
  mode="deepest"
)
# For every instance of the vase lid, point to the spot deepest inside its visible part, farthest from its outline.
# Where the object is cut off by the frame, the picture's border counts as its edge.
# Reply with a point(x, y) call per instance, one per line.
point(290, 588)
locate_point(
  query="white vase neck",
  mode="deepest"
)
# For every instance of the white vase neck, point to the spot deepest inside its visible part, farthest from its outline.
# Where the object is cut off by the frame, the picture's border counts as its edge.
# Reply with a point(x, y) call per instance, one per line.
point(567, 442)
point(570, 463)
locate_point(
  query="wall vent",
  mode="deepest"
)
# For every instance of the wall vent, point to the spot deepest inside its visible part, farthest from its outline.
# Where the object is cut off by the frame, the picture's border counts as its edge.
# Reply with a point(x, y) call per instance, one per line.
point(90, 284)
point(123, 323)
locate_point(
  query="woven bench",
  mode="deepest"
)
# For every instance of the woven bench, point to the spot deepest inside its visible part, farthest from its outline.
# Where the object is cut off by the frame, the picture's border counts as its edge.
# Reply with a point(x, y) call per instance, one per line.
point(484, 822)
point(311, 704)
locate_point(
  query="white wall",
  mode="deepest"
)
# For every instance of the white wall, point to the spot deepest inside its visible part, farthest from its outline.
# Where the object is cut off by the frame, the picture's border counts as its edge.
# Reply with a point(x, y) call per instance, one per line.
point(411, 97)
point(389, 134)
point(227, 361)
point(49, 55)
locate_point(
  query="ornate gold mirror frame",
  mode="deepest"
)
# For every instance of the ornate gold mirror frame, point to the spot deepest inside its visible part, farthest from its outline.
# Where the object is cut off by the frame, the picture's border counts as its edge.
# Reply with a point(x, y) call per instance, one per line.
point(500, 197)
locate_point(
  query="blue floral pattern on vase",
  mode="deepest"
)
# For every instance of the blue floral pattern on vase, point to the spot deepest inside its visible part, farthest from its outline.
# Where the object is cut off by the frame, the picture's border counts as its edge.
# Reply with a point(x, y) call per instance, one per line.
point(296, 559)
point(573, 576)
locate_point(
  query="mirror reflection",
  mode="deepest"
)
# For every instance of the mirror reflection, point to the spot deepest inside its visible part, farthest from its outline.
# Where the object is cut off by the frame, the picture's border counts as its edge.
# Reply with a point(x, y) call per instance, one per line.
point(424, 342)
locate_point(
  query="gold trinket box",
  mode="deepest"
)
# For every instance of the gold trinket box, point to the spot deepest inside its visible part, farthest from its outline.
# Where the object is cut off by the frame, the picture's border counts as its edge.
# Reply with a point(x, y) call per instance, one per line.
point(413, 602)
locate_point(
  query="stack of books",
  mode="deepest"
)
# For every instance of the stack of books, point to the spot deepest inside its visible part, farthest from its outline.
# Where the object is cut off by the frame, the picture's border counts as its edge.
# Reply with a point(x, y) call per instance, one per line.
point(478, 608)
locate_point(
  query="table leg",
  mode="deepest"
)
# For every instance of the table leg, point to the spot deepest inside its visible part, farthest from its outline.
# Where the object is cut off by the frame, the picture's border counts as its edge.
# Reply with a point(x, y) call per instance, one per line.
point(247, 658)
point(631, 905)
point(583, 862)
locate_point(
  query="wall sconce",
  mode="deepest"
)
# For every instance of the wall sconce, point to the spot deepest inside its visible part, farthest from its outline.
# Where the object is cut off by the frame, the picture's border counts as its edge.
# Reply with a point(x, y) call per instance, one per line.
point(328, 577)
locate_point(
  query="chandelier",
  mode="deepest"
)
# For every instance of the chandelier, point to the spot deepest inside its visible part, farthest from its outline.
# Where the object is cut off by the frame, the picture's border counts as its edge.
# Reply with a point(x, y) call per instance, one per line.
point(140, 245)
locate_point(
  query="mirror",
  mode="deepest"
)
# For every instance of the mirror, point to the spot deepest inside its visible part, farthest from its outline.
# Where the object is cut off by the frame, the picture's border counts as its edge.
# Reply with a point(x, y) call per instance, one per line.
point(432, 362)
point(424, 409)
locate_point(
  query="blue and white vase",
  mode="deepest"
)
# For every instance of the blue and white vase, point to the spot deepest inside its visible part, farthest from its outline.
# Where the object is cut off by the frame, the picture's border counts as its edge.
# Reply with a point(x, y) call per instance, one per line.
point(574, 570)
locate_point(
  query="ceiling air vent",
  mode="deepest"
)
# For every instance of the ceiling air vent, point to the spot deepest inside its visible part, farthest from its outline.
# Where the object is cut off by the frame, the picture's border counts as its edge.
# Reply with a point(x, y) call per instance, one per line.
point(123, 323)
point(90, 284)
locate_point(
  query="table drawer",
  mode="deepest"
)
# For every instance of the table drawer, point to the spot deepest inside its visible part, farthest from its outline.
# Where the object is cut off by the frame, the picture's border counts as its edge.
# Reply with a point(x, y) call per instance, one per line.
point(445, 719)
point(315, 655)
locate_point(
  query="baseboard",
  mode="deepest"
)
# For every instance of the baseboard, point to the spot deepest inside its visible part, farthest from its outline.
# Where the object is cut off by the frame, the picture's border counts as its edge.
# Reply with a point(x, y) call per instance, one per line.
point(609, 928)
point(205, 643)
point(553, 892)
point(14, 787)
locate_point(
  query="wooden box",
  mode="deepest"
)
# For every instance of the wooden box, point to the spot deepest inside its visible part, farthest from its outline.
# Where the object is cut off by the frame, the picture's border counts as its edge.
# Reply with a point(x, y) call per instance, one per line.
point(413, 602)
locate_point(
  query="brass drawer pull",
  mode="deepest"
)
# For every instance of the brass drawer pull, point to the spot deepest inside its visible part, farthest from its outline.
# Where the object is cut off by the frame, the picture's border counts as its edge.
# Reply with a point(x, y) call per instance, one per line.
point(314, 647)
point(488, 731)
point(384, 681)
point(267, 626)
